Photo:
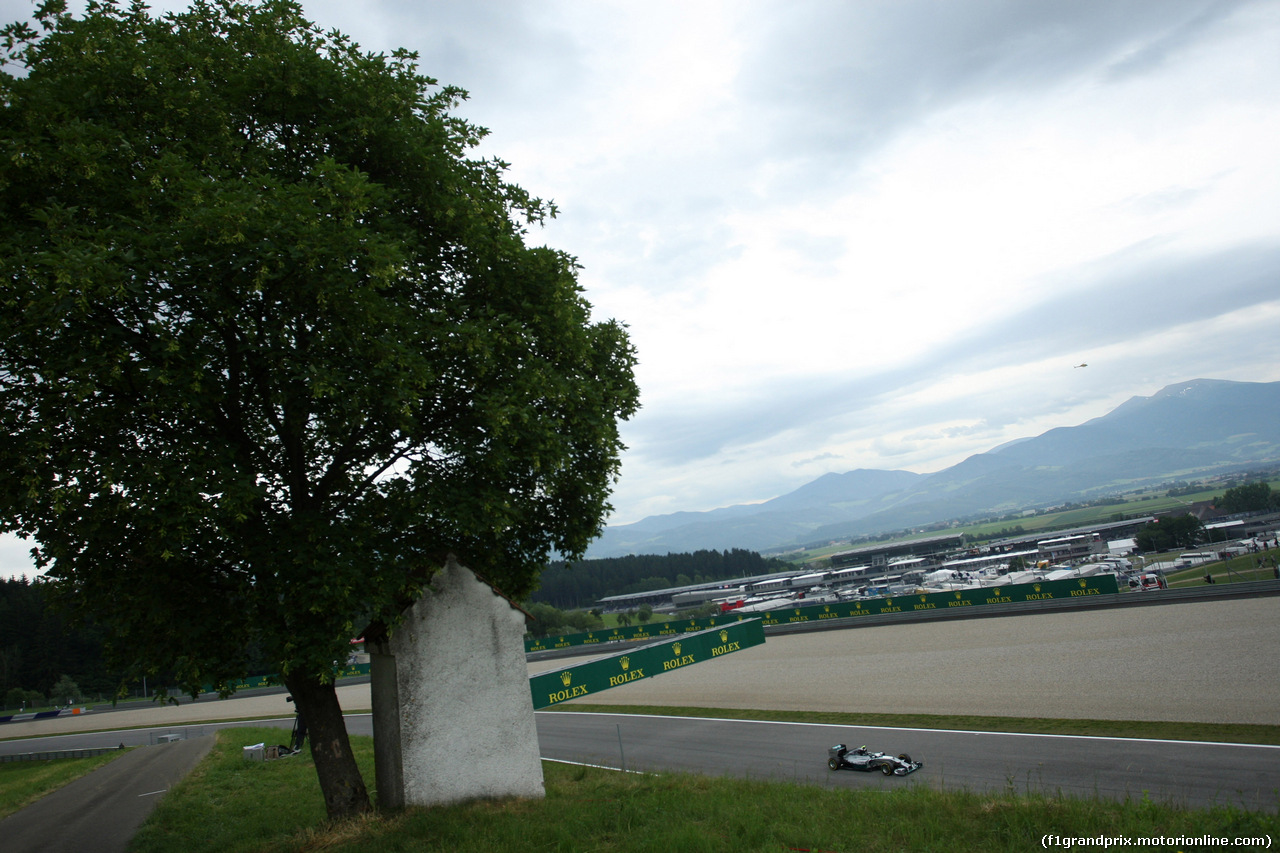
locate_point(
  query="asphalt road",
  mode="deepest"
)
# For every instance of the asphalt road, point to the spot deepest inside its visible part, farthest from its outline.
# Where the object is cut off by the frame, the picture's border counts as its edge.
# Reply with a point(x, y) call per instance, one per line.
point(1183, 773)
point(102, 811)
point(1190, 774)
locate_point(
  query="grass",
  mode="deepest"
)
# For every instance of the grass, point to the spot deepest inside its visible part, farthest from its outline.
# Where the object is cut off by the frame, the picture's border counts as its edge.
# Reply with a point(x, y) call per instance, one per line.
point(1248, 567)
point(228, 804)
point(24, 782)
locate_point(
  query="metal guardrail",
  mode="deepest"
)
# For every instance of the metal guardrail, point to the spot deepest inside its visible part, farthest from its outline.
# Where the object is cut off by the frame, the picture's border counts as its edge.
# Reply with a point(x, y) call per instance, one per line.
point(60, 753)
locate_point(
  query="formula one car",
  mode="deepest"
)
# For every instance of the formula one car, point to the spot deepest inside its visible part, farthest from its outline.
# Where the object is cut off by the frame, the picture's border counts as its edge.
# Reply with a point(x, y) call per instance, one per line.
point(859, 759)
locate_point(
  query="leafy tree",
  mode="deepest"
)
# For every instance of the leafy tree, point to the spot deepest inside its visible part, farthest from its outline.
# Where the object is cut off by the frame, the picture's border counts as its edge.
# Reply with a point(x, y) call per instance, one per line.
point(273, 345)
point(548, 620)
point(1251, 497)
point(65, 690)
point(1165, 534)
point(16, 697)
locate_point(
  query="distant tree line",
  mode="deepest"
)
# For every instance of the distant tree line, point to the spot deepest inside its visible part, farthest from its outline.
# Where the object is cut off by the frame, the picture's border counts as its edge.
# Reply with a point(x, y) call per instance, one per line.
point(47, 659)
point(1002, 533)
point(583, 583)
point(42, 658)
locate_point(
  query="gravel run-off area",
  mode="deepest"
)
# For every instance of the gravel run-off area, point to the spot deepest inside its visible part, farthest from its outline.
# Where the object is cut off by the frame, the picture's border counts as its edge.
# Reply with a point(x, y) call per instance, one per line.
point(1211, 661)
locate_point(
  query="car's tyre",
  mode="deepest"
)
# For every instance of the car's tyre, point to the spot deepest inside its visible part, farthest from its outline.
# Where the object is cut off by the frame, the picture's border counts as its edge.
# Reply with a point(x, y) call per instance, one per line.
point(905, 757)
point(886, 769)
point(833, 764)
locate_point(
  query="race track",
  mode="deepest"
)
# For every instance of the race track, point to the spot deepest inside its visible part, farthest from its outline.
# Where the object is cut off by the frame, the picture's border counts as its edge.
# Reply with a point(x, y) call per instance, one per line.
point(1204, 661)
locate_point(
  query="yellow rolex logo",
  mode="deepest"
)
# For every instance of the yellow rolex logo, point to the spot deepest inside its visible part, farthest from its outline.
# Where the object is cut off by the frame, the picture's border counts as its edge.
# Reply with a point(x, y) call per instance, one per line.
point(1036, 587)
point(923, 597)
point(888, 602)
point(565, 678)
point(827, 608)
point(1083, 583)
point(626, 663)
point(997, 590)
point(675, 647)
point(957, 595)
point(724, 635)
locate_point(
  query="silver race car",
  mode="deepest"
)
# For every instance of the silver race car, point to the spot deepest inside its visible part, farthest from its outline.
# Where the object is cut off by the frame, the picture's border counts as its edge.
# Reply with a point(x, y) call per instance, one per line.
point(840, 756)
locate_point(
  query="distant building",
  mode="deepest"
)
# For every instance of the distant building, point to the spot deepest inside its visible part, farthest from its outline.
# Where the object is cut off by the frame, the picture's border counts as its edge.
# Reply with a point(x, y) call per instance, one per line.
point(882, 555)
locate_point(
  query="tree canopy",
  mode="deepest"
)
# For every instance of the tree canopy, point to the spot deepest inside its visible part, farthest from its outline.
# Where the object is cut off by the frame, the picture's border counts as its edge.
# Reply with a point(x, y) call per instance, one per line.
point(1165, 534)
point(274, 344)
point(1250, 497)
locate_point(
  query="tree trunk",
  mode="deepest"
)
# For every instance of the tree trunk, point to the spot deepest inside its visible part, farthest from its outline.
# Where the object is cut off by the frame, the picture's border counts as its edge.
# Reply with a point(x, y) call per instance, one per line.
point(340, 781)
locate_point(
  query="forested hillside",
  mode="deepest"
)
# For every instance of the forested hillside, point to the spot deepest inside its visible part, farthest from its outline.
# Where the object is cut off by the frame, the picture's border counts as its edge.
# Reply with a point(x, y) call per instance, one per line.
point(38, 648)
point(583, 583)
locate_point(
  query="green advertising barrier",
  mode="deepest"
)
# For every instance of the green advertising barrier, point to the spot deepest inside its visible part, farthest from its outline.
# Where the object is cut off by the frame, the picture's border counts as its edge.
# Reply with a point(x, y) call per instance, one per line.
point(574, 682)
point(911, 603)
point(349, 671)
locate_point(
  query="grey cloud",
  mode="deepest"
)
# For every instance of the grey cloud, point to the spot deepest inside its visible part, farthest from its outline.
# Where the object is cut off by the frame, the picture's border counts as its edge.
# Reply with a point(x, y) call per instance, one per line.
point(838, 80)
point(1115, 306)
point(1162, 47)
point(821, 457)
point(1119, 303)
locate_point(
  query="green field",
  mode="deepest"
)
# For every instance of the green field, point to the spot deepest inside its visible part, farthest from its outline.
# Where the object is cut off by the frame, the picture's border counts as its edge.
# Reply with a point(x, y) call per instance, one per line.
point(1137, 505)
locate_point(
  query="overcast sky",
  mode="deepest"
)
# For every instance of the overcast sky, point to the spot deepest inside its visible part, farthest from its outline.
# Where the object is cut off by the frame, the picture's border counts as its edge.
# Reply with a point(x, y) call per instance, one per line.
point(879, 234)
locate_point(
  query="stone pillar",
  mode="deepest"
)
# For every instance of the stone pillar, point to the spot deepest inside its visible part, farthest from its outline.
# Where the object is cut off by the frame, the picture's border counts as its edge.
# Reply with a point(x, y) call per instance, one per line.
point(452, 714)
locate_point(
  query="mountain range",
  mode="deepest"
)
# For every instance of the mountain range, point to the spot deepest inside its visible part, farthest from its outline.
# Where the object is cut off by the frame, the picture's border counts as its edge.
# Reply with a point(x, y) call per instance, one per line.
point(1185, 431)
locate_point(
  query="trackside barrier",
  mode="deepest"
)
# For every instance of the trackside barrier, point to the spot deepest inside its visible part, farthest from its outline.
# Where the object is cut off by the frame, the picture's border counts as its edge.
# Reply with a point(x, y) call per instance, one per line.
point(349, 671)
point(60, 753)
point(1077, 588)
point(574, 682)
point(42, 715)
